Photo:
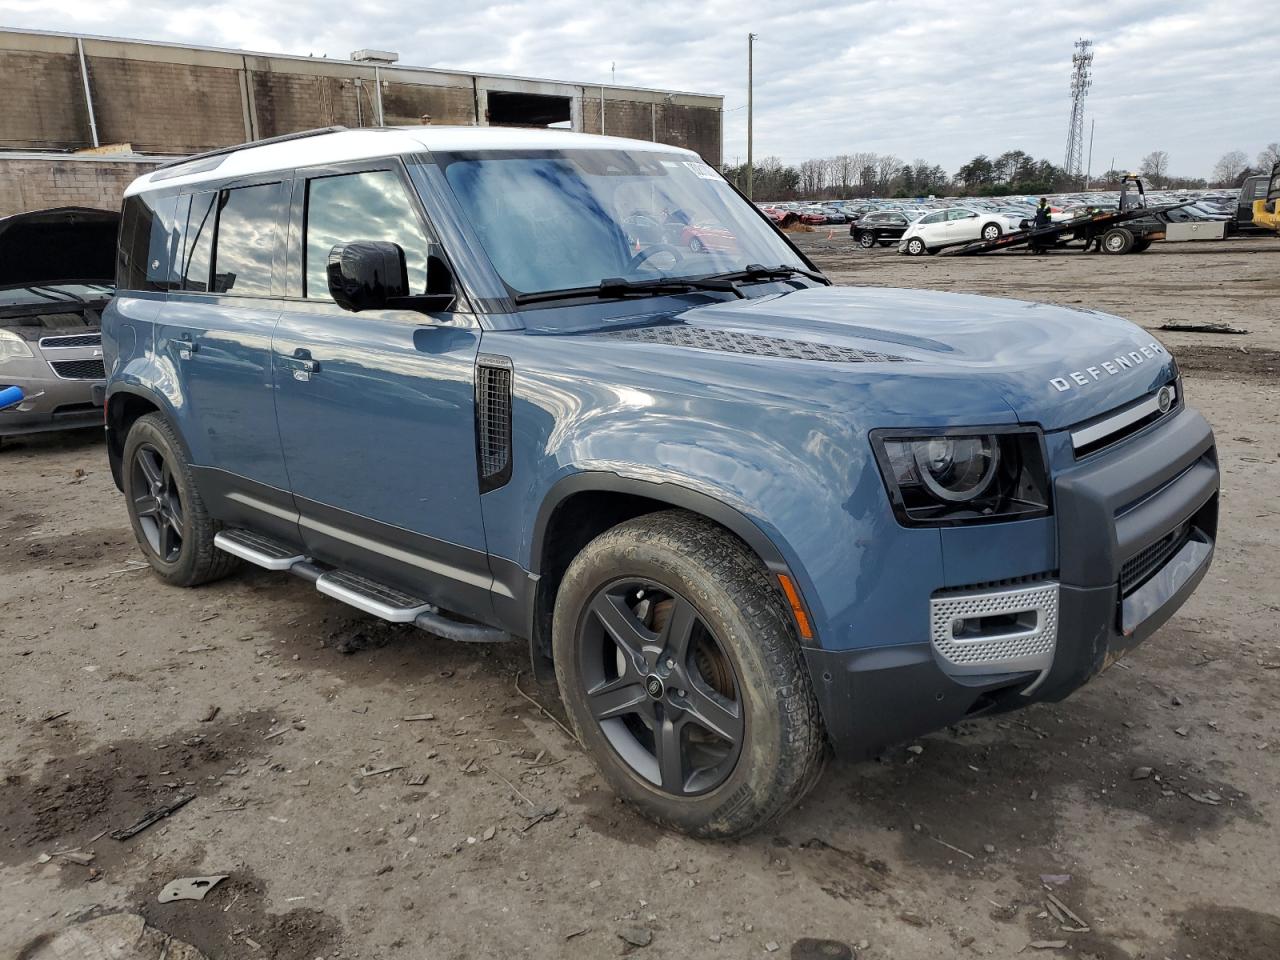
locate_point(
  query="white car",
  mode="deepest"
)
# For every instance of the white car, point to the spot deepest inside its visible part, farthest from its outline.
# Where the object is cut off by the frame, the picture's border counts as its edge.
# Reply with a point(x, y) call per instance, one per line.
point(943, 228)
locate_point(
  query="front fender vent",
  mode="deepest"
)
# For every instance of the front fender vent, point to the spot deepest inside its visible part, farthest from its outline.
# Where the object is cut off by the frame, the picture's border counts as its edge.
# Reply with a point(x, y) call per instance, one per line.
point(729, 341)
point(493, 421)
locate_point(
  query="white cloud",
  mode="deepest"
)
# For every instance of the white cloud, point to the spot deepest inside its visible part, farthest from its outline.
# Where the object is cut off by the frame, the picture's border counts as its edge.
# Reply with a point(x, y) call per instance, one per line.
point(938, 79)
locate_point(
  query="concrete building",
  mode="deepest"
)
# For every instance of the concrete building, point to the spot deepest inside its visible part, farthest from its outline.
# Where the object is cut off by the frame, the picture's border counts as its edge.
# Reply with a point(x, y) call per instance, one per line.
point(84, 115)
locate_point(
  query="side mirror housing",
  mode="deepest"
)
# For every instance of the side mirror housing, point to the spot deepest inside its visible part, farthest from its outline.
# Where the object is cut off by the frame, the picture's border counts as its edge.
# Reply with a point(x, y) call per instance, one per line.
point(372, 275)
point(365, 274)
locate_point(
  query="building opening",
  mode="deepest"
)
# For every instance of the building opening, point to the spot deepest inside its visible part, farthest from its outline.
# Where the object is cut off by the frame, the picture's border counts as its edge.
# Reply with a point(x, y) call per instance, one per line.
point(508, 109)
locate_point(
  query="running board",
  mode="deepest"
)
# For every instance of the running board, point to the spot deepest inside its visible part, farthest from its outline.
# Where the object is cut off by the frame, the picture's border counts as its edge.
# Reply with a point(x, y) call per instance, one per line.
point(360, 592)
point(375, 598)
point(257, 549)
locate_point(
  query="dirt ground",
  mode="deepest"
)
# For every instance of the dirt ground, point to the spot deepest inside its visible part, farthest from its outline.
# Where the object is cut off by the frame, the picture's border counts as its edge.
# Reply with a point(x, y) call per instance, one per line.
point(1146, 804)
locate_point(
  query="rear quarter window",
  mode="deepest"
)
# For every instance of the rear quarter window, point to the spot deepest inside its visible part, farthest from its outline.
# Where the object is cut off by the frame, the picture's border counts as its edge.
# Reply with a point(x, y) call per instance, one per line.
point(149, 240)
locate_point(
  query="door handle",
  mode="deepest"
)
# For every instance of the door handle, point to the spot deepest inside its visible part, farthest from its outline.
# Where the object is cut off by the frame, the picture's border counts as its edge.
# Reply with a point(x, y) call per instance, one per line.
point(302, 364)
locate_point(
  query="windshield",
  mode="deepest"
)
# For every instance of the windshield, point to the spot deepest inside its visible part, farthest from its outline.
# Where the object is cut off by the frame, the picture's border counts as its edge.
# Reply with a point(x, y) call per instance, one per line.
point(566, 220)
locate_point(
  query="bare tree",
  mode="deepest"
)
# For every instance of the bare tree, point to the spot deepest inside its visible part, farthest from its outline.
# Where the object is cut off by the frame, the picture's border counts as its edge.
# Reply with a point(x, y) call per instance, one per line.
point(812, 178)
point(1155, 165)
point(1269, 157)
point(1229, 168)
point(887, 167)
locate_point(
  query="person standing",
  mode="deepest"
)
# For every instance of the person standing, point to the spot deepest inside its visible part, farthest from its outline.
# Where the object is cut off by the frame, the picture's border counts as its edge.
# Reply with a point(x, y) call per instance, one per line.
point(1043, 217)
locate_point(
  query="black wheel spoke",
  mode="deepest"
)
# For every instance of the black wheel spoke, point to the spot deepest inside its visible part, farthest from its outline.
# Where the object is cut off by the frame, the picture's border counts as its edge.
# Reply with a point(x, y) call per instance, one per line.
point(146, 506)
point(714, 715)
point(670, 756)
point(675, 637)
point(151, 469)
point(621, 623)
point(618, 698)
point(166, 540)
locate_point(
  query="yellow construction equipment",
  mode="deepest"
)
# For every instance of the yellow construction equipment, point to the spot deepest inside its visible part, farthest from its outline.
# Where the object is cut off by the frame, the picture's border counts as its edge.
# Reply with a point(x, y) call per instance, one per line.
point(1266, 210)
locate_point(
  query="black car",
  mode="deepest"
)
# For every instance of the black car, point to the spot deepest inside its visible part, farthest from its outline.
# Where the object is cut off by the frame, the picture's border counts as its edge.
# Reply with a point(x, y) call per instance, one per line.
point(883, 228)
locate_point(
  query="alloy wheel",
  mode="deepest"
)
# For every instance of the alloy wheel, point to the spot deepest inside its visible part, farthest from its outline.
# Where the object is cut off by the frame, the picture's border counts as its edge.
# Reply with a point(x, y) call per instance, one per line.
point(157, 504)
point(660, 687)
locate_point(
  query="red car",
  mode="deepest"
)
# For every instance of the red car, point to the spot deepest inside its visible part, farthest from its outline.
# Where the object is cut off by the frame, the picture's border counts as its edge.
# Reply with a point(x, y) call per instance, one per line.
point(701, 237)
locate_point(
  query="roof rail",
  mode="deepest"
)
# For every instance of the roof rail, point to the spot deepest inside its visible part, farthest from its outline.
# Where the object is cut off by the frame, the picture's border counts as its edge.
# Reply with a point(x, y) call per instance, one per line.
point(223, 151)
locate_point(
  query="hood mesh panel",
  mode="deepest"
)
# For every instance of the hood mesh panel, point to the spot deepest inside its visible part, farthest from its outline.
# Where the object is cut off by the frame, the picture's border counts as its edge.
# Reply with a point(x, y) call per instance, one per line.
point(728, 341)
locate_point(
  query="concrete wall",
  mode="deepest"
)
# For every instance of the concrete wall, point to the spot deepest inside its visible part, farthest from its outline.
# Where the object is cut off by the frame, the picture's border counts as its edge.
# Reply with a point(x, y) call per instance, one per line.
point(39, 182)
point(169, 99)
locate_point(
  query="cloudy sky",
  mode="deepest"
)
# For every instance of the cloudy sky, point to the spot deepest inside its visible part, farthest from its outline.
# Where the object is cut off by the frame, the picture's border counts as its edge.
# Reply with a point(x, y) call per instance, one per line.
point(941, 80)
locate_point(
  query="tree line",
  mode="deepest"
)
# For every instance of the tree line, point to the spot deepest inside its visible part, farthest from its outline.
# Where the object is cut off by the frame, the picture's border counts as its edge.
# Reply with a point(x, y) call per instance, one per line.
point(1012, 172)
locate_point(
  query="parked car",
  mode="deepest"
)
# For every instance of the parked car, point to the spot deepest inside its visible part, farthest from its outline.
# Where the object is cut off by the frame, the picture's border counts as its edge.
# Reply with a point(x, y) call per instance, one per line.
point(56, 269)
point(881, 228)
point(740, 515)
point(953, 225)
point(812, 216)
point(701, 237)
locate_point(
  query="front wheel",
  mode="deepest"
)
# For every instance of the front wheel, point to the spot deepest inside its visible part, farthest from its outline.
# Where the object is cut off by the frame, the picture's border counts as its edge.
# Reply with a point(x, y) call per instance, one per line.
point(915, 247)
point(681, 673)
point(165, 509)
point(697, 246)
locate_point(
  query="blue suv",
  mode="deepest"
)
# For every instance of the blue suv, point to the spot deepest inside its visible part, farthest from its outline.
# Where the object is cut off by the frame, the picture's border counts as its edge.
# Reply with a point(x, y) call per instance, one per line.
point(480, 381)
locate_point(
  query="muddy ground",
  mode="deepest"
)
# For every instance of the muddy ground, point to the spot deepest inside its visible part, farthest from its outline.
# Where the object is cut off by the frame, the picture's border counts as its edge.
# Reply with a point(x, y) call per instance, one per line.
point(490, 835)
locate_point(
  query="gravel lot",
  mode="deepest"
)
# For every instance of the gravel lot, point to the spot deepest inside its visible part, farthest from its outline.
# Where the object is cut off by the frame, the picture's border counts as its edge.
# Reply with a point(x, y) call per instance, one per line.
point(276, 707)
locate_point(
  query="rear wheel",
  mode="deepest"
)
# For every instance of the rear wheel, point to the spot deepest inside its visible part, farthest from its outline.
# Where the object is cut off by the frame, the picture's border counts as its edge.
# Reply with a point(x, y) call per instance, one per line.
point(165, 509)
point(867, 240)
point(680, 671)
point(991, 232)
point(696, 245)
point(1117, 240)
point(915, 247)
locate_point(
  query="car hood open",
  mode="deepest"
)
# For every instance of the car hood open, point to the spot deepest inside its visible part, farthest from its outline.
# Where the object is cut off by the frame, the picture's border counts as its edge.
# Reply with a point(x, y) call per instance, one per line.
point(1054, 366)
point(65, 243)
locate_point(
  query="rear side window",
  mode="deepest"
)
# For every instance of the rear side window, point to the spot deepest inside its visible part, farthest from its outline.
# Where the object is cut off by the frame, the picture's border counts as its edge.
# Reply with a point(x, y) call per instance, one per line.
point(231, 240)
point(360, 206)
point(149, 241)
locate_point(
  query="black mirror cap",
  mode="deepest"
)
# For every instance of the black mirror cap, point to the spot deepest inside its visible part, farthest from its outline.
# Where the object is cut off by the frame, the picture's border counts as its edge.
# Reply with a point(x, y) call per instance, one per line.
point(366, 274)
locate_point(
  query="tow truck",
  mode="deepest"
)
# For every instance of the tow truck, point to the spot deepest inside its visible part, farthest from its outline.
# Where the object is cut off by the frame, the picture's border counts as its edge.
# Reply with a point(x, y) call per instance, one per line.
point(1131, 228)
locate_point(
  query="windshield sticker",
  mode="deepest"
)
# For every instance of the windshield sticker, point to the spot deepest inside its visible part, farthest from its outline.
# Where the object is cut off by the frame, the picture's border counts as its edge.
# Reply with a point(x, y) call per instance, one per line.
point(702, 170)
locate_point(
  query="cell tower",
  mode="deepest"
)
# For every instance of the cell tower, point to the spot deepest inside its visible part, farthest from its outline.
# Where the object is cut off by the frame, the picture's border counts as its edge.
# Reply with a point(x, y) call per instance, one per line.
point(1081, 64)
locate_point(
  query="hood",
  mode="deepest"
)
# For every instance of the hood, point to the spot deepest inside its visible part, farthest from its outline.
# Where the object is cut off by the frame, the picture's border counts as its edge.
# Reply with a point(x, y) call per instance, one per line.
point(67, 243)
point(1054, 366)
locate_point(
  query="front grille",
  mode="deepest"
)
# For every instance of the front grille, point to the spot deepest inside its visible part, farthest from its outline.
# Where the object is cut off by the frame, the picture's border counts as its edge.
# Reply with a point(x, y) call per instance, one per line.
point(77, 340)
point(1109, 429)
point(1139, 568)
point(78, 369)
point(493, 421)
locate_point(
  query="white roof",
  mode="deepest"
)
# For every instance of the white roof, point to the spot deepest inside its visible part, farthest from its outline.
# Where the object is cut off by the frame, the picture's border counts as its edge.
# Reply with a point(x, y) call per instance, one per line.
point(347, 145)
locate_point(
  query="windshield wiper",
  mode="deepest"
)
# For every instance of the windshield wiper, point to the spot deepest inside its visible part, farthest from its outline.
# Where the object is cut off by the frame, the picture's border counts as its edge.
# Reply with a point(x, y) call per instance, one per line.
point(754, 272)
point(619, 287)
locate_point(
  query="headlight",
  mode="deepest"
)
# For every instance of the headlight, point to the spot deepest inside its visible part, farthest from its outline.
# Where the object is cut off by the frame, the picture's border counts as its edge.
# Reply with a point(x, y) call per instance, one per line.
point(959, 477)
point(12, 345)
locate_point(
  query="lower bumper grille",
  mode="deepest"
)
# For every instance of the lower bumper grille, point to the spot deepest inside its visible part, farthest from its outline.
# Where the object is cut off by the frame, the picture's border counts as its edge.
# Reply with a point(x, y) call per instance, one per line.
point(996, 631)
point(79, 369)
point(1139, 568)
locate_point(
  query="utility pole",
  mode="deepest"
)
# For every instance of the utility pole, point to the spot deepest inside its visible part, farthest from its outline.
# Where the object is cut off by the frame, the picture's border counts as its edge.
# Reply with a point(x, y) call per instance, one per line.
point(751, 39)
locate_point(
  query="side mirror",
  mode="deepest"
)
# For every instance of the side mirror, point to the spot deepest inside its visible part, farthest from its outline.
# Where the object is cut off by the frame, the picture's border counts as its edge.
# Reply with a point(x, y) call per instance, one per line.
point(371, 275)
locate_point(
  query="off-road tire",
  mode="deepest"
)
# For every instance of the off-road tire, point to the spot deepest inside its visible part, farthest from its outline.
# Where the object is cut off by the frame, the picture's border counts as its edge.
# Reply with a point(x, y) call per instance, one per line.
point(198, 561)
point(784, 745)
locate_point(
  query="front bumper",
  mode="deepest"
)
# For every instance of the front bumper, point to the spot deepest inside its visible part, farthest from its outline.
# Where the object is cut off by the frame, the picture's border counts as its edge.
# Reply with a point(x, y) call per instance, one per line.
point(1134, 541)
point(51, 403)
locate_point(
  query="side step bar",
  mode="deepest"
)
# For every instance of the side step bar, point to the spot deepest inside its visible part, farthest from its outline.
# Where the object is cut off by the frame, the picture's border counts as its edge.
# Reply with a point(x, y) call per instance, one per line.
point(362, 593)
point(257, 549)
